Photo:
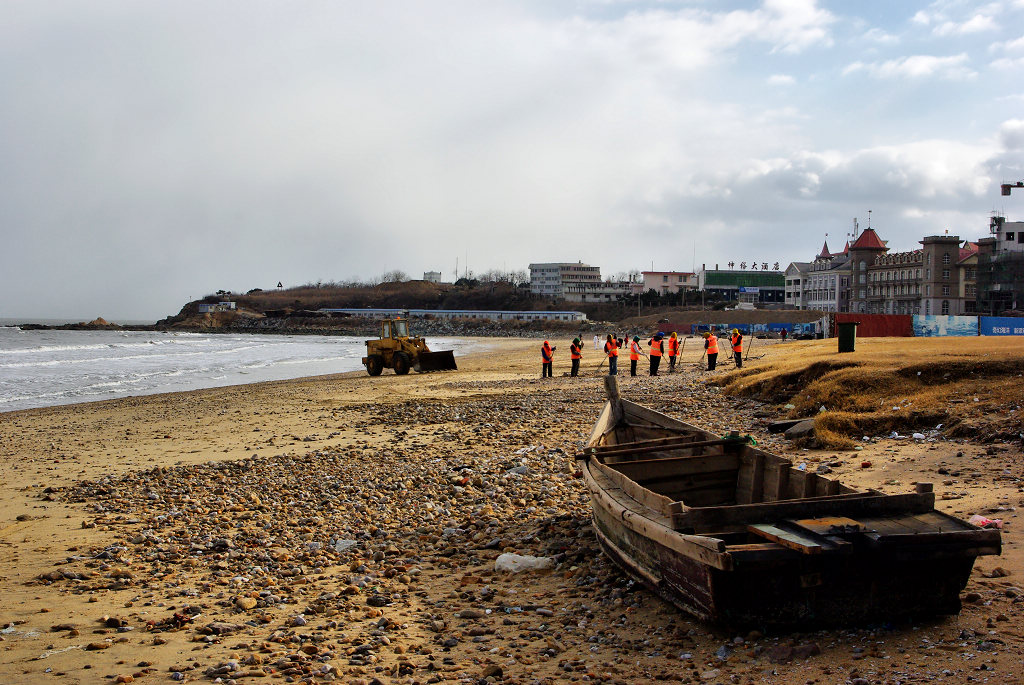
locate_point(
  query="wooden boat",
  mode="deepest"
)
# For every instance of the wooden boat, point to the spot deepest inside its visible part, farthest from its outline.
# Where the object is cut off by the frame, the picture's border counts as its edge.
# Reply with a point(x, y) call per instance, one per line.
point(738, 536)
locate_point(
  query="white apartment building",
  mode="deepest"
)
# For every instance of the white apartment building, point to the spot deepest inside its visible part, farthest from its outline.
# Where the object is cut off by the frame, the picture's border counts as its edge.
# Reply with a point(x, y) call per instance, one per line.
point(557, 279)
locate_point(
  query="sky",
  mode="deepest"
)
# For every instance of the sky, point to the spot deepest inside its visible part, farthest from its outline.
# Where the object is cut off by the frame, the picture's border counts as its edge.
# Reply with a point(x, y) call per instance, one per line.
point(155, 152)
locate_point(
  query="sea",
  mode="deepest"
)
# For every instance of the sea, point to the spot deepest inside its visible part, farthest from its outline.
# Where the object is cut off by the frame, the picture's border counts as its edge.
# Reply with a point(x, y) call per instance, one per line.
point(52, 367)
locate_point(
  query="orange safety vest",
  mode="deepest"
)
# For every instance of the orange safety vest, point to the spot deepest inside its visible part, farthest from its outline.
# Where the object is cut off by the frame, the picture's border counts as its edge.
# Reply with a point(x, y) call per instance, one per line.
point(673, 347)
point(737, 343)
point(575, 352)
point(634, 351)
point(712, 343)
point(545, 354)
point(611, 349)
point(655, 346)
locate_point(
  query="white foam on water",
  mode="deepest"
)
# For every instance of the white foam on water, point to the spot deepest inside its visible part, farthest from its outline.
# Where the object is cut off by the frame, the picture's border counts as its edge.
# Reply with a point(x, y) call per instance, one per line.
point(46, 368)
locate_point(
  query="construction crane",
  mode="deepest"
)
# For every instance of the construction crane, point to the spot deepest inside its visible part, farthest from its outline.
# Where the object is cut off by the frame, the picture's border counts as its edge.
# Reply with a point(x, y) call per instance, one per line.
point(1006, 187)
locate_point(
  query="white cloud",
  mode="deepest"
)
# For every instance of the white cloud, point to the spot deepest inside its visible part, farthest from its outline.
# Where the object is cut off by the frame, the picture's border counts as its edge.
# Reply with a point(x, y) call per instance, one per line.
point(953, 67)
point(879, 37)
point(1009, 46)
point(1011, 134)
point(959, 18)
point(1008, 64)
point(976, 24)
point(781, 80)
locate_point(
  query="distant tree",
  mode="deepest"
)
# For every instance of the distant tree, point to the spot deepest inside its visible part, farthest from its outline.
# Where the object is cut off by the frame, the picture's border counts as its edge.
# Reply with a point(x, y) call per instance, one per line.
point(394, 276)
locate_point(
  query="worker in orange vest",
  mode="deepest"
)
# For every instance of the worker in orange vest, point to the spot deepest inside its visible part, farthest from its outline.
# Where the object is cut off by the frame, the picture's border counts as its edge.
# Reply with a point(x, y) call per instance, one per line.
point(657, 345)
point(634, 354)
point(611, 348)
point(711, 345)
point(546, 355)
point(575, 354)
point(737, 347)
point(673, 351)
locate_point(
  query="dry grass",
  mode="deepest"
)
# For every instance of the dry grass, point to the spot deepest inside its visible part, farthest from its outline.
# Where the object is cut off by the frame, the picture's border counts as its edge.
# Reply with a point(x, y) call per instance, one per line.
point(891, 384)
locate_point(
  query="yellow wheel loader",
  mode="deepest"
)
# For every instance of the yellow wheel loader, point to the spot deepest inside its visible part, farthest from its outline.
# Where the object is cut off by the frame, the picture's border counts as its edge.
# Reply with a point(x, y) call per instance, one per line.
point(397, 350)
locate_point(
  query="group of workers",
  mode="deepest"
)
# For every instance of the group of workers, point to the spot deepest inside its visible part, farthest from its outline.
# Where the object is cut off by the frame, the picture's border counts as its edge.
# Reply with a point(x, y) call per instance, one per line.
point(656, 347)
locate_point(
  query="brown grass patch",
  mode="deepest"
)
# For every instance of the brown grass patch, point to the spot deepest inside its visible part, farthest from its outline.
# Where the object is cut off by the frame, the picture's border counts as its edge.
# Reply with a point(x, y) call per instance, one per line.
point(891, 384)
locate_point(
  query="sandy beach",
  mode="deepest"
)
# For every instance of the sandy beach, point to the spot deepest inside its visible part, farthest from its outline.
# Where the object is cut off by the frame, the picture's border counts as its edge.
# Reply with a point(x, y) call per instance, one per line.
point(345, 528)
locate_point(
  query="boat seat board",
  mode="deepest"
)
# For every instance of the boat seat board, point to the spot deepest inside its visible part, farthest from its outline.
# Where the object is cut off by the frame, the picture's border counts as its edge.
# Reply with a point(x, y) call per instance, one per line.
point(828, 525)
point(791, 539)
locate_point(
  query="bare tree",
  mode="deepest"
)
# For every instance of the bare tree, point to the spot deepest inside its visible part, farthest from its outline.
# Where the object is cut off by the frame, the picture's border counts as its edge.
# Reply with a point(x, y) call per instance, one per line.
point(394, 276)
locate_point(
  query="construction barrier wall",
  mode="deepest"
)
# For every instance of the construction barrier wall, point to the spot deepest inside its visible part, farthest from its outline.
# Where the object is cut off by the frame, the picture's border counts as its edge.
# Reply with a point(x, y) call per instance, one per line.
point(879, 325)
point(871, 326)
point(1000, 325)
point(745, 328)
point(931, 325)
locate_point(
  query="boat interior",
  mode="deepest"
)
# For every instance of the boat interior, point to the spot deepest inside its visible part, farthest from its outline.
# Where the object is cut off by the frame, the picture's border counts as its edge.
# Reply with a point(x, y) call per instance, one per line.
point(727, 488)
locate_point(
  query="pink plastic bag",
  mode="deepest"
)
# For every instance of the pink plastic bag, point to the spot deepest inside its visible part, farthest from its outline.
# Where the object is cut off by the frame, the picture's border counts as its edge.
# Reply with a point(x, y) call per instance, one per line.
point(982, 522)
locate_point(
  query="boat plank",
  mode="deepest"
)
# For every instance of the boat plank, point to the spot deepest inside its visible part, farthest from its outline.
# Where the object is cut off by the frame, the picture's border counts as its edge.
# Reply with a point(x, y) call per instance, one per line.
point(649, 524)
point(676, 466)
point(787, 538)
point(853, 506)
point(664, 443)
point(750, 487)
point(978, 538)
point(654, 501)
point(776, 481)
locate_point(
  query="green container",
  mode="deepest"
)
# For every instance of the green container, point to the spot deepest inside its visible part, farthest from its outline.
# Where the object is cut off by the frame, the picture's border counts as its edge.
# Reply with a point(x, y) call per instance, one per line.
point(847, 335)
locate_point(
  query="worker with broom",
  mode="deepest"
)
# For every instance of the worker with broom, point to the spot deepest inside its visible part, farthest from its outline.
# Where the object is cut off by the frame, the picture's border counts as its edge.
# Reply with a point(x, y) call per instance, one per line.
point(611, 349)
point(673, 351)
point(737, 347)
point(711, 347)
point(575, 355)
point(634, 354)
point(657, 345)
point(546, 357)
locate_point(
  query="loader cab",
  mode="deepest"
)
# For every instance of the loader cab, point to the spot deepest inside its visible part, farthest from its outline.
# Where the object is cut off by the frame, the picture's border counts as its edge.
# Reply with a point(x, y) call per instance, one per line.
point(397, 328)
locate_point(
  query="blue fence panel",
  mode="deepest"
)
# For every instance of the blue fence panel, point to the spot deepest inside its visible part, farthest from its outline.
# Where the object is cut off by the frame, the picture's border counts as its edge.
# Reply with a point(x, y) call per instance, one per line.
point(930, 325)
point(1001, 325)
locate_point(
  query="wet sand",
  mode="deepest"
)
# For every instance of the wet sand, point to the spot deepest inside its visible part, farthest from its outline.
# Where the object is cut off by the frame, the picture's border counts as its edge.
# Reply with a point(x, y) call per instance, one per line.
point(345, 528)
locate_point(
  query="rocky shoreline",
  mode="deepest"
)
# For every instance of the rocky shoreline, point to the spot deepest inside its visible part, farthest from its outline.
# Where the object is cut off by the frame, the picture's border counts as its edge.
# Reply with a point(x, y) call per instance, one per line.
point(351, 530)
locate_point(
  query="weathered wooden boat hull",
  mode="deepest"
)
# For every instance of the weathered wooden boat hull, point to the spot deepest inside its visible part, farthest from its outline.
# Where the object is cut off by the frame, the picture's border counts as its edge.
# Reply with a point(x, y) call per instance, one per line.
point(794, 592)
point(768, 568)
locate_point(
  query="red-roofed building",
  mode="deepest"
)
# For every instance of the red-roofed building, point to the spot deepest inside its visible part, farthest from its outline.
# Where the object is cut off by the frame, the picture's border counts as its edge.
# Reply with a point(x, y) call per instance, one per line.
point(862, 253)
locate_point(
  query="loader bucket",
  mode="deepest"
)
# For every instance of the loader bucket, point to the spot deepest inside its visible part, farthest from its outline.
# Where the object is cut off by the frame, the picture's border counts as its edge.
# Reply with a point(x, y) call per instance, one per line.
point(436, 361)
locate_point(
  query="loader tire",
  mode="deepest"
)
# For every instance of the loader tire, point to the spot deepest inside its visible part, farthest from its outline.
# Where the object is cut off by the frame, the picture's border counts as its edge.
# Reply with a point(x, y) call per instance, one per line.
point(400, 362)
point(374, 364)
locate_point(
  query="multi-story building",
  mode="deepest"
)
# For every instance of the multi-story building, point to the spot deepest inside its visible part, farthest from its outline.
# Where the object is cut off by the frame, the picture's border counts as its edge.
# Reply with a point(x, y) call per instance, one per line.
point(599, 292)
point(556, 279)
point(930, 280)
point(795, 274)
point(1000, 267)
point(665, 282)
point(823, 284)
point(432, 276)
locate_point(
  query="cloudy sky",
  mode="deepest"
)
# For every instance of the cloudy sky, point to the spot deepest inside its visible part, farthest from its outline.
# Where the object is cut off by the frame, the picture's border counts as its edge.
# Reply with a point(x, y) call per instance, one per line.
point(154, 152)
